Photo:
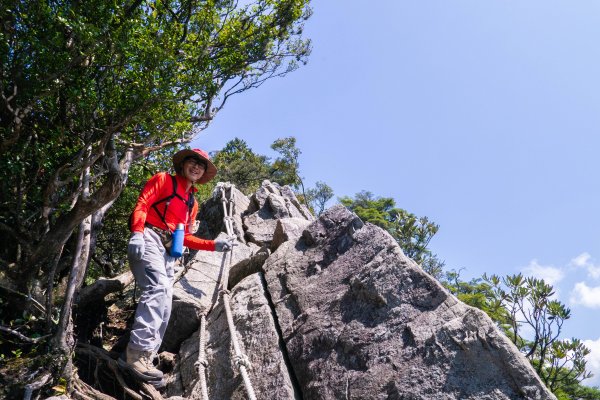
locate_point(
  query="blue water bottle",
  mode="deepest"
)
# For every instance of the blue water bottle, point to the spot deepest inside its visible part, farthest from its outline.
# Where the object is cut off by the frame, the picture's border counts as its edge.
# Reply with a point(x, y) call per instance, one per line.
point(177, 246)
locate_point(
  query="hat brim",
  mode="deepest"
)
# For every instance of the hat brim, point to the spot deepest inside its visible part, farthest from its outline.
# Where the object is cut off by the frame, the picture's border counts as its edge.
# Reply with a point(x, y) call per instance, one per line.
point(209, 173)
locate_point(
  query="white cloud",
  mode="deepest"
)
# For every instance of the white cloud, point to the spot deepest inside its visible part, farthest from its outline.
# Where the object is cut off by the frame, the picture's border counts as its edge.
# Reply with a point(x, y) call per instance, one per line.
point(584, 260)
point(581, 260)
point(551, 275)
point(586, 295)
point(593, 362)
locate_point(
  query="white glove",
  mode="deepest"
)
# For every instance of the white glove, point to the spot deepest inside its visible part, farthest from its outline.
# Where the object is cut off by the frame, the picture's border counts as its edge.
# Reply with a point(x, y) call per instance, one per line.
point(225, 244)
point(136, 247)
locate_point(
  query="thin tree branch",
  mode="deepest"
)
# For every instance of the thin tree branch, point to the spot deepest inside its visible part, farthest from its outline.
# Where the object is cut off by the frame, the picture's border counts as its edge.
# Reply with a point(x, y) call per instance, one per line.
point(21, 336)
point(36, 303)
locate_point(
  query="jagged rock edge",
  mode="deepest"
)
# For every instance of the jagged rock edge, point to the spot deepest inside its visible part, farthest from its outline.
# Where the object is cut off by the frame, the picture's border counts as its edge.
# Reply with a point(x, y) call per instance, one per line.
point(254, 265)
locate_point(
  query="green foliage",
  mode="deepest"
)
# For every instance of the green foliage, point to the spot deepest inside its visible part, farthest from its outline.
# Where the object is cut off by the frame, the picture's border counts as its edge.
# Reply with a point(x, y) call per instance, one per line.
point(238, 164)
point(319, 196)
point(477, 293)
point(515, 301)
point(577, 391)
point(87, 88)
point(379, 211)
point(284, 169)
point(411, 232)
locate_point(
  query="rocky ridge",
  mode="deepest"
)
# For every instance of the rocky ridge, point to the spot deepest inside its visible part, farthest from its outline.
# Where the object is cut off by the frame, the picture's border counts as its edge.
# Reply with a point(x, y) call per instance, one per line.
point(331, 308)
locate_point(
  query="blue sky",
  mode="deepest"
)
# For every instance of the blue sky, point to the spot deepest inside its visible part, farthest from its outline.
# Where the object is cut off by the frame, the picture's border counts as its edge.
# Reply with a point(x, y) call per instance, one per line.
point(481, 115)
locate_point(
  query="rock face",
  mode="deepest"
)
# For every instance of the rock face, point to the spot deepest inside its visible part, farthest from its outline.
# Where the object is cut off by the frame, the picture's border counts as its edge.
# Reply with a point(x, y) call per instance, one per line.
point(336, 311)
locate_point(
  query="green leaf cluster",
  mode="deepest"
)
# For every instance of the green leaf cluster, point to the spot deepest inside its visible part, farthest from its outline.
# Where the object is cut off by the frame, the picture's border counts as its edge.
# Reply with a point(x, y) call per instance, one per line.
point(319, 196)
point(515, 302)
point(239, 164)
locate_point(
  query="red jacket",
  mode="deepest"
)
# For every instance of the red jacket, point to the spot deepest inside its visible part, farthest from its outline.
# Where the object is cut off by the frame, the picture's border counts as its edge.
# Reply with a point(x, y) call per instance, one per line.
point(158, 187)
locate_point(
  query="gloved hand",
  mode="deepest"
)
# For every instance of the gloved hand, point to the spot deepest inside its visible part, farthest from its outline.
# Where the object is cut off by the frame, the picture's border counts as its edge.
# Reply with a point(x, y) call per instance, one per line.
point(225, 244)
point(135, 249)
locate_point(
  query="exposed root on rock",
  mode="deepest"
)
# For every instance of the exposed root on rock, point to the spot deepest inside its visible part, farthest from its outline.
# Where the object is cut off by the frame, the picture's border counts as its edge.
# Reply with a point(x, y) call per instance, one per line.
point(100, 369)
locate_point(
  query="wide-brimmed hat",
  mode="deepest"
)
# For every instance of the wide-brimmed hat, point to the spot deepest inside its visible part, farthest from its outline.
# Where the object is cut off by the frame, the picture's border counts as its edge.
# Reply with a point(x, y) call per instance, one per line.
point(181, 155)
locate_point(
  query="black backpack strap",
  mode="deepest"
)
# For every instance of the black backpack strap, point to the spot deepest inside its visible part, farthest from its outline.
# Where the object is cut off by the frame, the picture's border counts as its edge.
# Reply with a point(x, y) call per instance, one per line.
point(168, 201)
point(190, 202)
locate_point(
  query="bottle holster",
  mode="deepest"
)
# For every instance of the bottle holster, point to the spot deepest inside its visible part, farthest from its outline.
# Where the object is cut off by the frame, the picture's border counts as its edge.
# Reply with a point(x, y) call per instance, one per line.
point(166, 237)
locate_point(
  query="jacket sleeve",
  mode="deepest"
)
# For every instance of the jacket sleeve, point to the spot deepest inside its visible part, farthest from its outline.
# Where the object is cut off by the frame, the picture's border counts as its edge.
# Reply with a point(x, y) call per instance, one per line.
point(150, 194)
point(193, 242)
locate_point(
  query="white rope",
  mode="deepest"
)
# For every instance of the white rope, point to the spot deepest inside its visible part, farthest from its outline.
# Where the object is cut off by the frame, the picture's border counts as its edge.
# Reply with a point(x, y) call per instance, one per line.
point(202, 364)
point(239, 358)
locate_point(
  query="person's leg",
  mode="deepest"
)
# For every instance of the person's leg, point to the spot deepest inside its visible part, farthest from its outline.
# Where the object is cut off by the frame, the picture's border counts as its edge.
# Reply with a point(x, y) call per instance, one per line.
point(151, 276)
point(168, 304)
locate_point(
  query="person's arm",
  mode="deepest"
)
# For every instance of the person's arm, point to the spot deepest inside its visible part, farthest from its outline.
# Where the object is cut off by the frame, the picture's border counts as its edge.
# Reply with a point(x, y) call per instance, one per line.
point(193, 242)
point(150, 194)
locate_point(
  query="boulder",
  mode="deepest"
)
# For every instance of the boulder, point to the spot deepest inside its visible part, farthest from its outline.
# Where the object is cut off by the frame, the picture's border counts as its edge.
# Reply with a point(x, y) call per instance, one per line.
point(332, 309)
point(258, 338)
point(361, 320)
point(196, 291)
point(287, 229)
point(211, 212)
point(269, 204)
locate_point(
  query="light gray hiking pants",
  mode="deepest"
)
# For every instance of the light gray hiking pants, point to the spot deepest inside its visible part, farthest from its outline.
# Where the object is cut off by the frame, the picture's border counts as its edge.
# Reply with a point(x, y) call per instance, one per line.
point(154, 276)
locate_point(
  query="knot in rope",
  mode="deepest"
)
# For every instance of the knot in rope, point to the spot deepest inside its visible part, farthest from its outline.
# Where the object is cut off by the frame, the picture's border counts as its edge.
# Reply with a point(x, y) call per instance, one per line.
point(203, 362)
point(240, 360)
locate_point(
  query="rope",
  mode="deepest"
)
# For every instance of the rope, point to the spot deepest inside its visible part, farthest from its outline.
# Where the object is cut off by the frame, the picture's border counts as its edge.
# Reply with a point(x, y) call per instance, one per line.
point(202, 364)
point(239, 358)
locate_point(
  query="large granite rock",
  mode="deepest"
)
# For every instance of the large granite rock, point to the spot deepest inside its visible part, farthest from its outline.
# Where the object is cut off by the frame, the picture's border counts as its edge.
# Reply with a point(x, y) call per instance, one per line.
point(337, 311)
point(268, 205)
point(211, 212)
point(259, 339)
point(361, 320)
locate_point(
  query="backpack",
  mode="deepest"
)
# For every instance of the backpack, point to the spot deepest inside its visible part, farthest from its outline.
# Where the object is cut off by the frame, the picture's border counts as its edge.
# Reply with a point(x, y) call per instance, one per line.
point(190, 203)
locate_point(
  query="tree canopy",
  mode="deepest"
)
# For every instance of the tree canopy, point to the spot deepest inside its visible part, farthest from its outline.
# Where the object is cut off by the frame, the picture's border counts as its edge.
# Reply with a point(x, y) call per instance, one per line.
point(90, 89)
point(524, 308)
point(87, 88)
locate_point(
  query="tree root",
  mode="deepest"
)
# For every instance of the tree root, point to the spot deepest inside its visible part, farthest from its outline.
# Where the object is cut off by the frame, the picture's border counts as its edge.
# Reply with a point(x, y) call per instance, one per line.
point(102, 287)
point(83, 391)
point(35, 385)
point(109, 383)
point(151, 391)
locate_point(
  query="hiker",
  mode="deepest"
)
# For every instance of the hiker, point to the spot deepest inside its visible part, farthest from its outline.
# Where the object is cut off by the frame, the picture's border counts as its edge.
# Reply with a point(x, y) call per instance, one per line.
point(165, 202)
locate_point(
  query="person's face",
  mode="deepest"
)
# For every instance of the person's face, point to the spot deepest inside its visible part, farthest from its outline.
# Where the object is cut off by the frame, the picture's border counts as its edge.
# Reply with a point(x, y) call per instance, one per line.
point(193, 169)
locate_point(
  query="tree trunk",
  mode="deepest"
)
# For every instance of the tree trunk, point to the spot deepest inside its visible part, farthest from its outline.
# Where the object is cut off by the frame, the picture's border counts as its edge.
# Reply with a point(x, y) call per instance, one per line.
point(98, 216)
point(107, 193)
point(63, 341)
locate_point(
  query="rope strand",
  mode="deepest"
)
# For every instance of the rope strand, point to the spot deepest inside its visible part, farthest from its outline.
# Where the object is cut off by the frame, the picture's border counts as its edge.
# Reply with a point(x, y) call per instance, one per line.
point(240, 359)
point(202, 364)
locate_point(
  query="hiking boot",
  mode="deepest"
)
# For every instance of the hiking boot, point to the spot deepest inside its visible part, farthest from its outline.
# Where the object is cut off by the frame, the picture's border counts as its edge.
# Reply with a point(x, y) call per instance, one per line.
point(139, 362)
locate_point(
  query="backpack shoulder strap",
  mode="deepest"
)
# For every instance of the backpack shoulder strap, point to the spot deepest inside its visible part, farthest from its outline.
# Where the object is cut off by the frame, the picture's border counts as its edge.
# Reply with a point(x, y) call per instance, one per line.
point(190, 202)
point(167, 200)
